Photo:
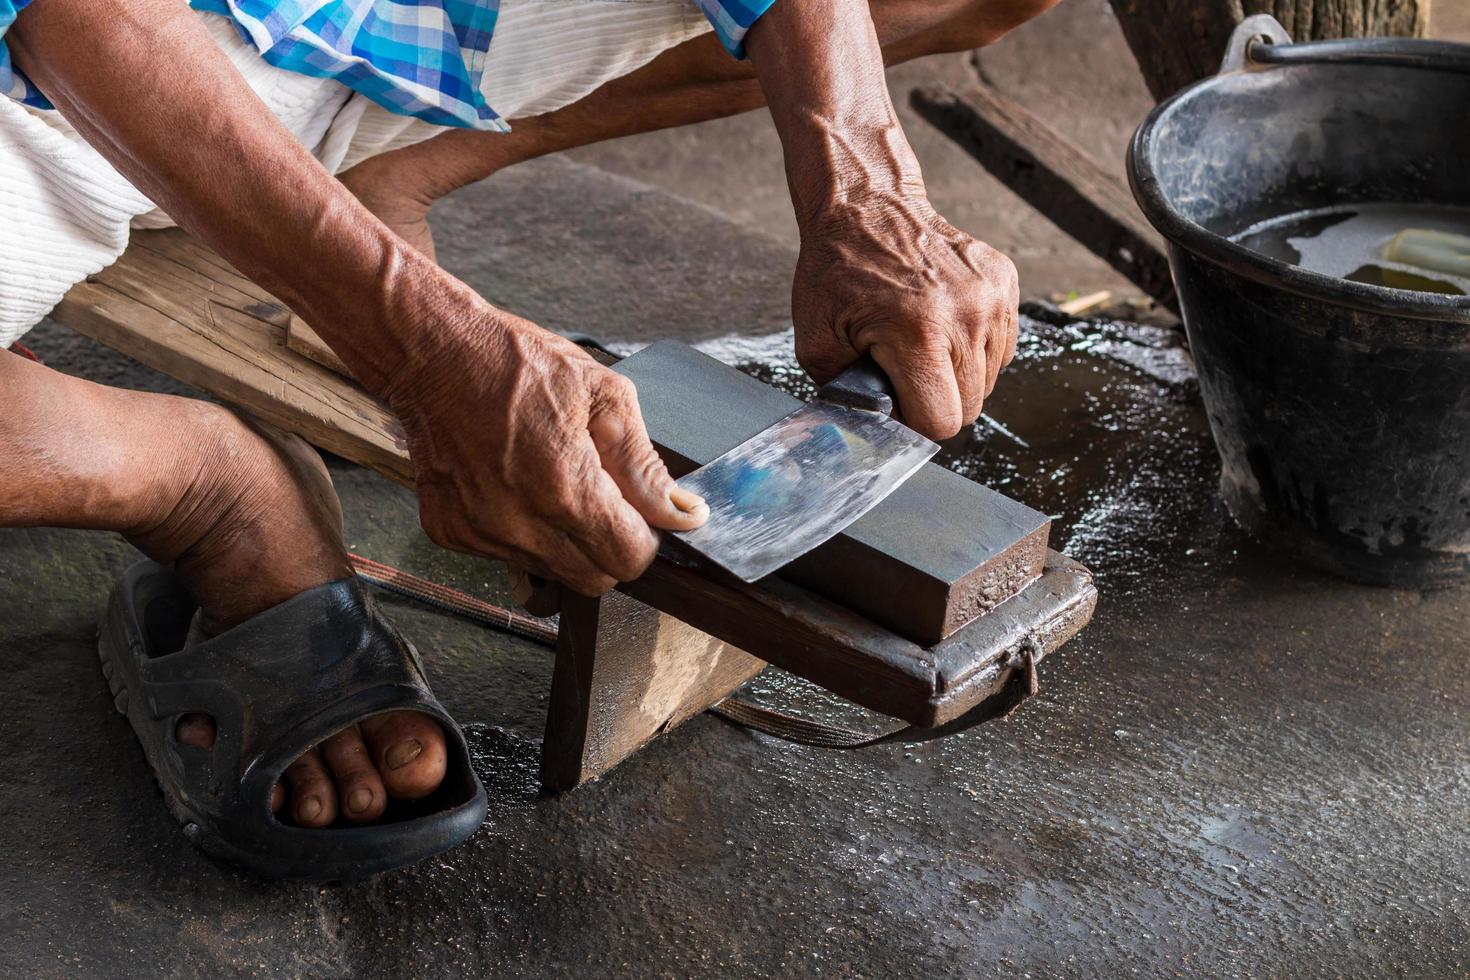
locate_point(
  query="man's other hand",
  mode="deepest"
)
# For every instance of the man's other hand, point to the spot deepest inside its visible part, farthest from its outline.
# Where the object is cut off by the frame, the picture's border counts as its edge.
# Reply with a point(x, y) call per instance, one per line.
point(526, 449)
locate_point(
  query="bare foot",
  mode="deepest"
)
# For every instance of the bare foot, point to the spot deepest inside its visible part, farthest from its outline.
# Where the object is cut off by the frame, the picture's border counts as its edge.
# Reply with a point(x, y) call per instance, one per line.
point(254, 521)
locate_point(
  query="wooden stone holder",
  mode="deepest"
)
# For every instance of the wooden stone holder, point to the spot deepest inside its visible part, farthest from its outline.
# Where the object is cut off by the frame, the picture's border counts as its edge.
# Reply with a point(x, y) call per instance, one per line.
point(653, 654)
point(919, 610)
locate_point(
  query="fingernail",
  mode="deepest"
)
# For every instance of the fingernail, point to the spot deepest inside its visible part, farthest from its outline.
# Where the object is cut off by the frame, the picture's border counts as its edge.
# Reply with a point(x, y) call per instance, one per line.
point(308, 809)
point(360, 799)
point(687, 501)
point(403, 753)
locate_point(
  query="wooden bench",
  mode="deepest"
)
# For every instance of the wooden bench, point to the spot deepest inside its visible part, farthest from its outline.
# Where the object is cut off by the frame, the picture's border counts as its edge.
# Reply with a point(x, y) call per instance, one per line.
point(920, 611)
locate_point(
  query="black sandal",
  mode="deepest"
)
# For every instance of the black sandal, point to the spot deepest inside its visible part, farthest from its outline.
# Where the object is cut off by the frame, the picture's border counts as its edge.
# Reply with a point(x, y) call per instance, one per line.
point(276, 685)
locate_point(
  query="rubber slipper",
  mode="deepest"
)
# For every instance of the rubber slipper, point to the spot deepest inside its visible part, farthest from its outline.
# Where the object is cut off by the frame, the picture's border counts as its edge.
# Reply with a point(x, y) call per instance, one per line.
point(276, 685)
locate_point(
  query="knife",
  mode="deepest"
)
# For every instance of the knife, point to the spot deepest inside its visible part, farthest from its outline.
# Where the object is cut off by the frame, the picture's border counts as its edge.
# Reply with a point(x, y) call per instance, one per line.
point(786, 490)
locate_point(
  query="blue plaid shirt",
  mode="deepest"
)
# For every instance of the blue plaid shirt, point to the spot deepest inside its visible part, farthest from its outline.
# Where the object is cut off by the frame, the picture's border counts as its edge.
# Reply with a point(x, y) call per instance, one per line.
point(415, 57)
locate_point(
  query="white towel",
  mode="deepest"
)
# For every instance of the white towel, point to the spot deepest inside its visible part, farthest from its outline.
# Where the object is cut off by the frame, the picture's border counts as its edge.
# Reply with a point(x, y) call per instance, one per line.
point(65, 212)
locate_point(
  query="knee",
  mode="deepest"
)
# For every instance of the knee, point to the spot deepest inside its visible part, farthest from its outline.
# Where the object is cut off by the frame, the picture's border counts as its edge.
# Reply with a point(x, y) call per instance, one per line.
point(981, 22)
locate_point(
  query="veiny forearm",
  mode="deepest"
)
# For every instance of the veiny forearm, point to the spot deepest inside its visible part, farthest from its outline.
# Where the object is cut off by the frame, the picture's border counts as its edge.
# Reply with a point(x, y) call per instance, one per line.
point(146, 85)
point(821, 69)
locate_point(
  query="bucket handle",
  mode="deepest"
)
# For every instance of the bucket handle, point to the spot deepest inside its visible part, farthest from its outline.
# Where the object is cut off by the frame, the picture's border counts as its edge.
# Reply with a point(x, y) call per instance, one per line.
point(1261, 42)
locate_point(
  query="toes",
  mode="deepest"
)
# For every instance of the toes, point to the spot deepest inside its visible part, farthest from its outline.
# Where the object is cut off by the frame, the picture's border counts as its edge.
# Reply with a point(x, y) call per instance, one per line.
point(360, 792)
point(409, 751)
point(196, 730)
point(313, 799)
point(400, 754)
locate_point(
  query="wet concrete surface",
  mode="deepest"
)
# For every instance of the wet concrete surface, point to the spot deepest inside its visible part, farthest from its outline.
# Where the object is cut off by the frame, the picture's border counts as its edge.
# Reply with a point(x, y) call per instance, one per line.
point(1240, 768)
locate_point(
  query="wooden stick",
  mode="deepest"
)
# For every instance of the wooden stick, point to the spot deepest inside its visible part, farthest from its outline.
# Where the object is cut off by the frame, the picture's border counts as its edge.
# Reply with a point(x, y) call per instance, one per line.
point(1080, 305)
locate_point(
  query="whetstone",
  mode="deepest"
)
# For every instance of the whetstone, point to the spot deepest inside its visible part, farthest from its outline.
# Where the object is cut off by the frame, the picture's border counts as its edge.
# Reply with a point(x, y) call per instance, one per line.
point(937, 553)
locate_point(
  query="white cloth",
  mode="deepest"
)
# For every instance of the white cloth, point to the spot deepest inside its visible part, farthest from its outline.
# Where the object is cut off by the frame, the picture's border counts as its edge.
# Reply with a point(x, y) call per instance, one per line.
point(65, 212)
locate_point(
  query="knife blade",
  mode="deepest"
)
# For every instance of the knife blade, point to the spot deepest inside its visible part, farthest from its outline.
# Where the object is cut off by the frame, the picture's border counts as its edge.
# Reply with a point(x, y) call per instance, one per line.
point(787, 489)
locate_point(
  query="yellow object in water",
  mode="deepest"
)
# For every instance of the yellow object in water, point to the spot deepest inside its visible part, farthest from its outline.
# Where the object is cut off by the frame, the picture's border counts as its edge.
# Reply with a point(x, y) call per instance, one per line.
point(1437, 250)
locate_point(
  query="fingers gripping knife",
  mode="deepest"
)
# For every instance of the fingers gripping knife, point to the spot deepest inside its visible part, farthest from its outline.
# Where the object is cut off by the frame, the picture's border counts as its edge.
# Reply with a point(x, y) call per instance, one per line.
point(788, 489)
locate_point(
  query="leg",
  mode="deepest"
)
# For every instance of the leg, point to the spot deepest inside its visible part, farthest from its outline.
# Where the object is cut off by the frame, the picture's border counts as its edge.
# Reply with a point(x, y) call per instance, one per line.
point(690, 83)
point(248, 518)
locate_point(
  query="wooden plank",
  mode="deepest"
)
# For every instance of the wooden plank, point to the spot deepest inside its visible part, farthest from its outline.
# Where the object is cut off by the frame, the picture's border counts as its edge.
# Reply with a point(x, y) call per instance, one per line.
point(940, 551)
point(168, 306)
point(626, 673)
point(1055, 177)
point(304, 341)
point(1085, 304)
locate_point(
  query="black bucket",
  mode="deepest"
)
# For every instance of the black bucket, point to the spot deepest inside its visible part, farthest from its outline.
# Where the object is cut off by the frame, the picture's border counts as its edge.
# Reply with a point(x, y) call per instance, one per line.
point(1341, 410)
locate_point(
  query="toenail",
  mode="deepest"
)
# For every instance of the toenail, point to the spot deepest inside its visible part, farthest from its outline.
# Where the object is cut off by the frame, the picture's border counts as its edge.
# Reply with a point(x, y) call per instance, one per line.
point(359, 799)
point(403, 753)
point(308, 808)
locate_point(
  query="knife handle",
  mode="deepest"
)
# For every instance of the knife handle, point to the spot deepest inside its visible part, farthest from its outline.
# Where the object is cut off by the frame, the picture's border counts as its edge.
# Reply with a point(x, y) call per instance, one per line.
point(863, 385)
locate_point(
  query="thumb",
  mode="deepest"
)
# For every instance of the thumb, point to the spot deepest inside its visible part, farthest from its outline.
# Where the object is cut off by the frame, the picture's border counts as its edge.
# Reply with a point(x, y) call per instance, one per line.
point(628, 456)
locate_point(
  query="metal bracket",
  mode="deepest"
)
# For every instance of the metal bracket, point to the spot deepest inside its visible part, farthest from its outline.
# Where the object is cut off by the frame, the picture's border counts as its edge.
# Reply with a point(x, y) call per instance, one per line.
point(1256, 29)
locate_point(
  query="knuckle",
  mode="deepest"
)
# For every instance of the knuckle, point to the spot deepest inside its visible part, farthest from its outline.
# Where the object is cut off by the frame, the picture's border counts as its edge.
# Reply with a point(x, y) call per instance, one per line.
point(619, 393)
point(626, 569)
point(648, 465)
point(637, 557)
point(562, 496)
point(1005, 269)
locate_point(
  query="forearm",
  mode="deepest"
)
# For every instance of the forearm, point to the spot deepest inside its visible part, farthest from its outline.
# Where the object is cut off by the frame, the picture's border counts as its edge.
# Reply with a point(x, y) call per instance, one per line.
point(821, 69)
point(147, 86)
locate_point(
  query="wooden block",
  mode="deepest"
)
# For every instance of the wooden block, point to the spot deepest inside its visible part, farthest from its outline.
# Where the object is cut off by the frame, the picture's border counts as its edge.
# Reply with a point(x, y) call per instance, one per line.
point(304, 341)
point(626, 673)
point(175, 306)
point(938, 552)
point(1051, 174)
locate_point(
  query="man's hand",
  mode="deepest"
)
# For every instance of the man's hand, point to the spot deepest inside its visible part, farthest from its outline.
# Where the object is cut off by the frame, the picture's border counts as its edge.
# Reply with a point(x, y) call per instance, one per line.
point(879, 271)
point(563, 482)
point(935, 308)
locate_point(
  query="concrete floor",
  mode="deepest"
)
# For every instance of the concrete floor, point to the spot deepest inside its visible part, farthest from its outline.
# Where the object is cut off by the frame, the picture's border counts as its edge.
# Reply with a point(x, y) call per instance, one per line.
point(1241, 768)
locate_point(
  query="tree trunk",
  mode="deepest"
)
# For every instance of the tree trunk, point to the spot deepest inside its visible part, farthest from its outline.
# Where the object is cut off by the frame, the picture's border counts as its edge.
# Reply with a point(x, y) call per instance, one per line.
point(1178, 42)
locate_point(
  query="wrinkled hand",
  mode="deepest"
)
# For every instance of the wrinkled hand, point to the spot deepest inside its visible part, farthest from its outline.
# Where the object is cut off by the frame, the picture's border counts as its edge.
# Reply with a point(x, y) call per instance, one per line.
point(935, 308)
point(526, 449)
